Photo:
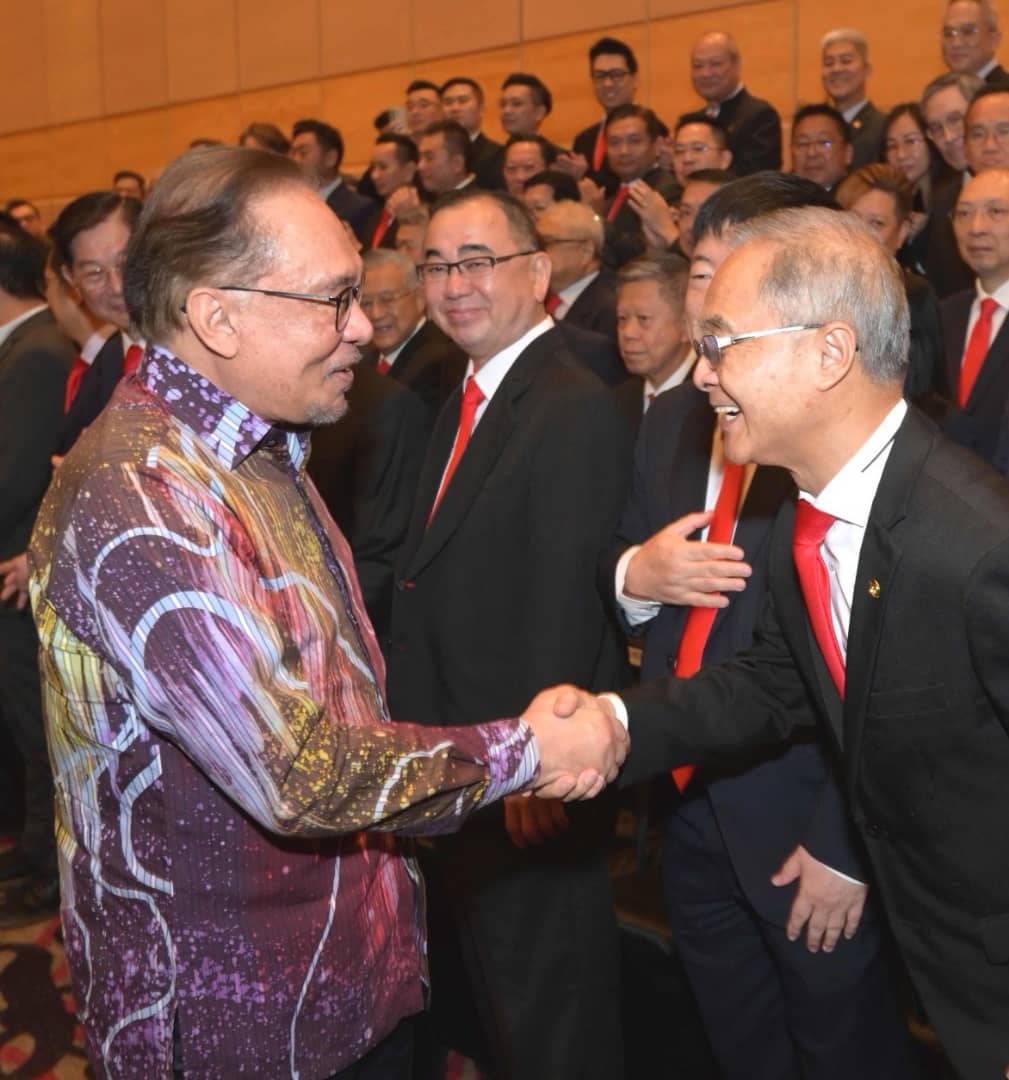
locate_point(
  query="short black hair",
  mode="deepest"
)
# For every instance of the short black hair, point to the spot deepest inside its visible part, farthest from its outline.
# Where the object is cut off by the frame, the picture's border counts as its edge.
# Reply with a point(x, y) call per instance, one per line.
point(540, 94)
point(711, 176)
point(129, 174)
point(463, 80)
point(828, 111)
point(325, 135)
point(85, 212)
point(269, 137)
point(711, 122)
point(521, 222)
point(563, 185)
point(630, 111)
point(610, 46)
point(987, 91)
point(752, 196)
point(422, 84)
point(547, 148)
point(457, 140)
point(406, 148)
point(22, 261)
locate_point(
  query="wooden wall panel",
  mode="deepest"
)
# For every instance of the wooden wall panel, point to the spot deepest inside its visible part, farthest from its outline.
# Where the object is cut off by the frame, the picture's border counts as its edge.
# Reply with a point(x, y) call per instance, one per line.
point(72, 60)
point(202, 48)
point(660, 8)
point(23, 100)
point(489, 68)
point(80, 158)
point(350, 102)
point(355, 37)
point(446, 27)
point(134, 61)
point(563, 17)
point(277, 42)
point(281, 105)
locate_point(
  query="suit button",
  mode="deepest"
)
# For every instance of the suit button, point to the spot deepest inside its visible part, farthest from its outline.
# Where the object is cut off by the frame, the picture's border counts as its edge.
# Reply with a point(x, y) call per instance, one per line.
point(875, 831)
point(401, 585)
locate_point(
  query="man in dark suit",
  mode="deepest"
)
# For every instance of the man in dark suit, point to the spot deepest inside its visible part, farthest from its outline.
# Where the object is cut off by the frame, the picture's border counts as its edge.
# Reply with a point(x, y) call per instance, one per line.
point(582, 293)
point(444, 158)
point(393, 171)
point(845, 68)
point(974, 329)
point(821, 145)
point(970, 36)
point(632, 149)
point(497, 592)
point(885, 624)
point(35, 358)
point(732, 828)
point(317, 149)
point(753, 125)
point(462, 100)
point(613, 68)
point(405, 346)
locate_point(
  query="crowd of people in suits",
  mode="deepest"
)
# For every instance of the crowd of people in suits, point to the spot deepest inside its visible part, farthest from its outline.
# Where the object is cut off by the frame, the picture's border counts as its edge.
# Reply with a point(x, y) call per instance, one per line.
point(533, 557)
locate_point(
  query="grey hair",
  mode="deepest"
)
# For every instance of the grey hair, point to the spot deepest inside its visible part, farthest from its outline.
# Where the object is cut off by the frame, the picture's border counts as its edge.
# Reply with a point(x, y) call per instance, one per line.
point(828, 267)
point(988, 12)
point(967, 83)
point(848, 36)
point(583, 221)
point(390, 257)
point(667, 270)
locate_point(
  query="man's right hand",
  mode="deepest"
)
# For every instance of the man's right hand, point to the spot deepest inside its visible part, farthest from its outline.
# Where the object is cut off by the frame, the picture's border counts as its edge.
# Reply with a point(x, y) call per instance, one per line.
point(670, 569)
point(581, 743)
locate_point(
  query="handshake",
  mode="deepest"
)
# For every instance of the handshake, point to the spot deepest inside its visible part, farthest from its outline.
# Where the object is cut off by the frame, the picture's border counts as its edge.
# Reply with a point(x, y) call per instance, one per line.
point(581, 743)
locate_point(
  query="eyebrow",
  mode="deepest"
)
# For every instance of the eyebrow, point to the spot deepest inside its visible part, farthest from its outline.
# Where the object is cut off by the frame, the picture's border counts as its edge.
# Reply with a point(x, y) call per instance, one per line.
point(715, 324)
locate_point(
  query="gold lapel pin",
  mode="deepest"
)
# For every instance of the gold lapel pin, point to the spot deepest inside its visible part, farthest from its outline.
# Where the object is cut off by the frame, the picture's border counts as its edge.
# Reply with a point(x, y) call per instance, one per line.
point(874, 589)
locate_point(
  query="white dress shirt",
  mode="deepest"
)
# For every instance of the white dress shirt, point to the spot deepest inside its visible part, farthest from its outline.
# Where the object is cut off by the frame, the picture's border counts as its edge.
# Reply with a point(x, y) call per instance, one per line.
point(567, 297)
point(492, 373)
point(1001, 297)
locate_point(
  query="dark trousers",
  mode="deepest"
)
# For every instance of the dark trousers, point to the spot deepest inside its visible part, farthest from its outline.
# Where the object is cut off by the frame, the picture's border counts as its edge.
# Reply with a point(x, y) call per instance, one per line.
point(772, 1009)
point(21, 716)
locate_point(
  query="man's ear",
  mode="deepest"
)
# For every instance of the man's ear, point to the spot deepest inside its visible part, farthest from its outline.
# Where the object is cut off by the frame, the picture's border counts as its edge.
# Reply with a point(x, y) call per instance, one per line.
point(212, 322)
point(838, 349)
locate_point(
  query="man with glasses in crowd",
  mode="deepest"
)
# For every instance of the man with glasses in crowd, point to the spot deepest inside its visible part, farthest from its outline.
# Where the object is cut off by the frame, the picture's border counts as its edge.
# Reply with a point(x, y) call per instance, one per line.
point(970, 36)
point(212, 686)
point(821, 145)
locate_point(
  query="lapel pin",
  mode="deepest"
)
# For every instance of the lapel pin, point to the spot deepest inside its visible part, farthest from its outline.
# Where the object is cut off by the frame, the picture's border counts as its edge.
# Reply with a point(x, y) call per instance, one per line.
point(874, 589)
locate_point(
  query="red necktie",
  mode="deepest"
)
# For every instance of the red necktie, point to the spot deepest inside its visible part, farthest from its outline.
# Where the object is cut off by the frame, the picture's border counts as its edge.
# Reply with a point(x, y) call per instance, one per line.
point(77, 369)
point(700, 619)
point(618, 201)
point(811, 527)
point(382, 365)
point(132, 359)
point(384, 220)
point(553, 302)
point(472, 396)
point(599, 153)
point(977, 349)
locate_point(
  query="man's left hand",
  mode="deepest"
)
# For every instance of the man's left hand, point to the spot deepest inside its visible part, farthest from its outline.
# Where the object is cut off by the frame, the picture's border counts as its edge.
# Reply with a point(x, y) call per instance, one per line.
point(532, 821)
point(826, 903)
point(14, 581)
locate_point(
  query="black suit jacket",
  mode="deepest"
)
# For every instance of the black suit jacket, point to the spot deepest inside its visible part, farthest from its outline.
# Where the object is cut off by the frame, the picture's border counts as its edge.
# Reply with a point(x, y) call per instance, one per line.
point(922, 734)
point(976, 425)
point(95, 389)
point(754, 130)
point(585, 144)
point(353, 208)
point(430, 364)
point(998, 76)
point(926, 370)
point(596, 307)
point(630, 399)
point(867, 128)
point(594, 351)
point(487, 162)
point(35, 360)
point(945, 269)
point(496, 599)
point(366, 467)
point(775, 799)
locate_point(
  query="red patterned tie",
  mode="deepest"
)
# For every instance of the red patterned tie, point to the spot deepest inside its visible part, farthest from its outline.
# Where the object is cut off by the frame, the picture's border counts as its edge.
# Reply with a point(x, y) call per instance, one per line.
point(977, 349)
point(811, 527)
point(384, 220)
point(700, 619)
point(599, 153)
point(472, 396)
point(132, 359)
point(382, 366)
point(618, 200)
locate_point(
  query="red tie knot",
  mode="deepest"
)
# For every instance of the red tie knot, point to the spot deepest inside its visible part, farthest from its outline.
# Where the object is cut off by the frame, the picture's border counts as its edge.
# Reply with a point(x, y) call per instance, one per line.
point(811, 525)
point(472, 395)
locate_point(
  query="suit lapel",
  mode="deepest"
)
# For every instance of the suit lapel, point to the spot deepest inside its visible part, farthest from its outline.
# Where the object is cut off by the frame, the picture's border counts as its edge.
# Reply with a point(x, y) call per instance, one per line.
point(991, 368)
point(687, 481)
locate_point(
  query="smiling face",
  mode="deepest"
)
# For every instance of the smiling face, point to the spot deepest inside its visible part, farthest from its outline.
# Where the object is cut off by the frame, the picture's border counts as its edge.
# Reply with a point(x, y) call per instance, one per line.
point(486, 314)
point(695, 147)
point(394, 302)
point(843, 73)
point(714, 71)
point(387, 171)
point(969, 40)
point(944, 121)
point(906, 148)
point(423, 107)
point(612, 80)
point(97, 269)
point(522, 160)
point(291, 364)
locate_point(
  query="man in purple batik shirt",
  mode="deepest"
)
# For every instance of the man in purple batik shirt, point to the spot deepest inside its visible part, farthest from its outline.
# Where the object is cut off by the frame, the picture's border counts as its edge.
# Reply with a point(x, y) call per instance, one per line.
point(214, 694)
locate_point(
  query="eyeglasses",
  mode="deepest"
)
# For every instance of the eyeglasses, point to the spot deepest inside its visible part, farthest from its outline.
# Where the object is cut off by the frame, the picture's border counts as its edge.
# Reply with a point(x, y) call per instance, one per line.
point(682, 149)
point(906, 142)
point(342, 302)
point(978, 134)
point(951, 125)
point(812, 144)
point(967, 31)
point(479, 266)
point(996, 214)
point(385, 299)
point(553, 241)
point(711, 345)
point(613, 75)
point(94, 275)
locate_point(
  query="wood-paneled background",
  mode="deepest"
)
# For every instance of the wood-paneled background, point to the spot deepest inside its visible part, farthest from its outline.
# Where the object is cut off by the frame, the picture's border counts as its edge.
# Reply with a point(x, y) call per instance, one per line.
point(90, 86)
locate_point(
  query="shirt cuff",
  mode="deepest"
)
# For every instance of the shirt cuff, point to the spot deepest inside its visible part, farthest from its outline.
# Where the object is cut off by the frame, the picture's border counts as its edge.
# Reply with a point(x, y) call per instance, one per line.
point(512, 760)
point(853, 880)
point(636, 611)
point(619, 708)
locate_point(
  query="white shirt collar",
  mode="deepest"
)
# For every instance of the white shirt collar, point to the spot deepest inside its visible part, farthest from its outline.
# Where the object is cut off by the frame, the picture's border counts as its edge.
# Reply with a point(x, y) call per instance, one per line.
point(677, 377)
point(850, 113)
point(492, 374)
point(390, 357)
point(576, 288)
point(1000, 295)
point(850, 494)
point(327, 189)
point(8, 328)
point(983, 71)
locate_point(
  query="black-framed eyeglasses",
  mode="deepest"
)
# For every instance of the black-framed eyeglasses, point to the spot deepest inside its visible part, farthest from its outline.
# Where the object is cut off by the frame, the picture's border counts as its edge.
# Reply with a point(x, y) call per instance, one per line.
point(477, 266)
point(711, 346)
point(613, 75)
point(342, 302)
